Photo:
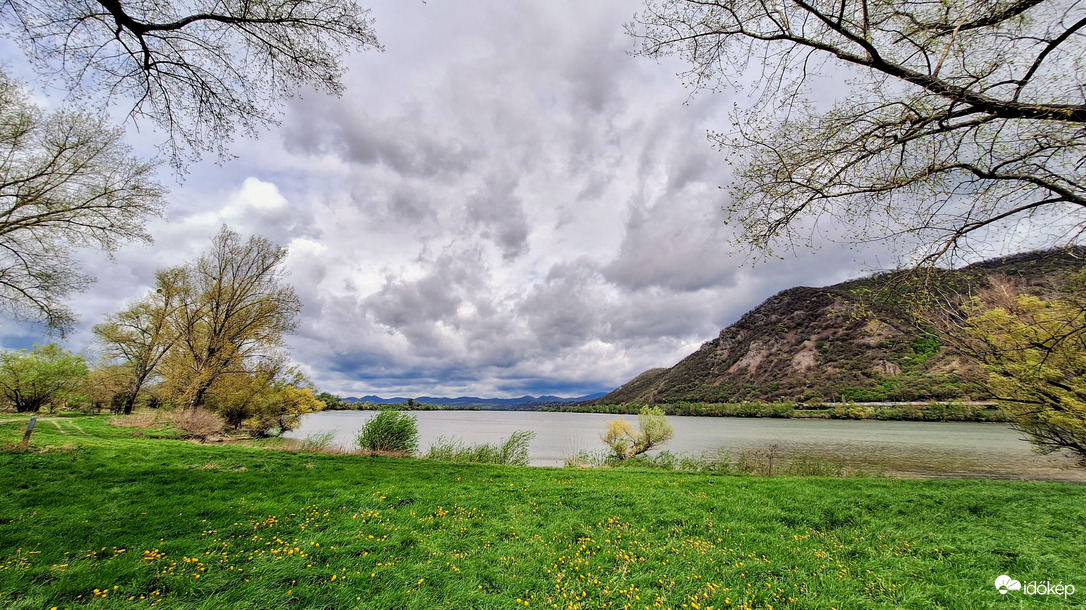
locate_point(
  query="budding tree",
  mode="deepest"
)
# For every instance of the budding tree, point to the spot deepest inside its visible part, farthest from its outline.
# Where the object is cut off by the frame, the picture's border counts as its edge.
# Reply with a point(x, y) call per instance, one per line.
point(231, 316)
point(957, 121)
point(1034, 350)
point(140, 337)
point(66, 181)
point(626, 443)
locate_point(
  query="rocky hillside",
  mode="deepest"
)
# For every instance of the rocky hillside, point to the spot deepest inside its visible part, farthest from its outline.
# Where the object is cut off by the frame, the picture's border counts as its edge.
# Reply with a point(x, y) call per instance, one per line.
point(852, 341)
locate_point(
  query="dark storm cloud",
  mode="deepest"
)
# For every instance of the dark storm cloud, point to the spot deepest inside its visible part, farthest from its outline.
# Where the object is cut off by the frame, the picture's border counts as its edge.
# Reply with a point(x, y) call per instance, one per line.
point(403, 141)
point(564, 310)
point(434, 297)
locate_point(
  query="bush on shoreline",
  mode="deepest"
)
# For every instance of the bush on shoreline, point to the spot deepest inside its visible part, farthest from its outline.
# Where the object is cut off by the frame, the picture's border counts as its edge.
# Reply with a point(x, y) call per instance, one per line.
point(512, 451)
point(390, 431)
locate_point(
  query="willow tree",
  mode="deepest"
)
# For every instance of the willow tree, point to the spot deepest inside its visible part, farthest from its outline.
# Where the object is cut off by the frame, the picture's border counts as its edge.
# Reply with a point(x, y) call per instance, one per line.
point(233, 310)
point(958, 122)
point(45, 375)
point(1034, 350)
point(197, 69)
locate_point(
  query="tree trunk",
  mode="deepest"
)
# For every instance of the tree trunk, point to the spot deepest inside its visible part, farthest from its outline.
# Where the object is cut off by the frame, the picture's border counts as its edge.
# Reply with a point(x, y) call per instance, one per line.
point(129, 403)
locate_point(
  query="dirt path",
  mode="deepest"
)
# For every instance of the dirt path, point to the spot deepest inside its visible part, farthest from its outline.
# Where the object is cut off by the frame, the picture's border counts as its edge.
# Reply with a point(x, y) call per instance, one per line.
point(53, 420)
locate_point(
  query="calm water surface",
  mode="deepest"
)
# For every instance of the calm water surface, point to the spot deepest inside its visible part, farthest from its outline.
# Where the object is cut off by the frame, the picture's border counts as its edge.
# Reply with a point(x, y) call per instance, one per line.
point(916, 449)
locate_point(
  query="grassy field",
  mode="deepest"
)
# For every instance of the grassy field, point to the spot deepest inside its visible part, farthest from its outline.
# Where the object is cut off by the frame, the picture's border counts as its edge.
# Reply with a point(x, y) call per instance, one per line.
point(95, 516)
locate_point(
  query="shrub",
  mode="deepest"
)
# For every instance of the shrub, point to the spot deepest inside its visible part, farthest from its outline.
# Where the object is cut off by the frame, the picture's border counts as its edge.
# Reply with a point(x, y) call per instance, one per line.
point(391, 431)
point(512, 451)
point(198, 423)
point(586, 459)
point(625, 443)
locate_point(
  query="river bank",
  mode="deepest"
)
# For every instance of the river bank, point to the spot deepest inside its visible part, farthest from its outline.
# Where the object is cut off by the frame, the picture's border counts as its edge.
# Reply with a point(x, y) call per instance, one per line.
point(911, 449)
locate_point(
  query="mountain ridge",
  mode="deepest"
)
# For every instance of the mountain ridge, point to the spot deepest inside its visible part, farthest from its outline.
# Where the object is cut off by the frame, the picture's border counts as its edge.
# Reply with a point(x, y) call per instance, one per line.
point(852, 341)
point(522, 402)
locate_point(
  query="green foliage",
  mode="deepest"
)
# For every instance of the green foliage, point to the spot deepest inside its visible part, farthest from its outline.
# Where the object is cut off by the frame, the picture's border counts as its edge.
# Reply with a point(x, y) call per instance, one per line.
point(390, 431)
point(47, 375)
point(926, 345)
point(1034, 351)
point(408, 406)
point(817, 408)
point(626, 443)
point(333, 402)
point(263, 402)
point(512, 451)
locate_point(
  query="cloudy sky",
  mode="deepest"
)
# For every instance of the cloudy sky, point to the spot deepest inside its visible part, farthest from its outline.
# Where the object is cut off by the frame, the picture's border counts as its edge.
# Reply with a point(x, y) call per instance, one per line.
point(504, 202)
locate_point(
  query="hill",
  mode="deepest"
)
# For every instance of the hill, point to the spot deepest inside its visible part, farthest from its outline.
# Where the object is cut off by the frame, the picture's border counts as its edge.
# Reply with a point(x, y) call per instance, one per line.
point(854, 341)
point(474, 402)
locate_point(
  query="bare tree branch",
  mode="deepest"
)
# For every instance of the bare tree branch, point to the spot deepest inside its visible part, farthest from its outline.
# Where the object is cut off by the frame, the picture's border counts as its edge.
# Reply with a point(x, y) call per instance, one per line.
point(197, 69)
point(963, 116)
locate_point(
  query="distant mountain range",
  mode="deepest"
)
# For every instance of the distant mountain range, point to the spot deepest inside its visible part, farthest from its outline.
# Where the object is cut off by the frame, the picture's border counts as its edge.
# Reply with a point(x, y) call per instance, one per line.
point(524, 402)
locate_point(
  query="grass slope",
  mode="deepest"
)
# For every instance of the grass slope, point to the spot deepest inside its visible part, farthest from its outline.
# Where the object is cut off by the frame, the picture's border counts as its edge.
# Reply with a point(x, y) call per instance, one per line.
point(100, 517)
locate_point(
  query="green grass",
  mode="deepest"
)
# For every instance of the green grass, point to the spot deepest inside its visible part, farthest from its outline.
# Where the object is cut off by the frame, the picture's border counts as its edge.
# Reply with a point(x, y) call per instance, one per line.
point(162, 523)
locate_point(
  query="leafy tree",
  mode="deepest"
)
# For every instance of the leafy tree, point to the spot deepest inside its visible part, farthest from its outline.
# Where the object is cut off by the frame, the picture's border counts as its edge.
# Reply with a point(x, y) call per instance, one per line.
point(960, 118)
point(108, 386)
point(140, 337)
point(232, 313)
point(1034, 350)
point(46, 375)
point(214, 326)
point(282, 407)
point(67, 181)
point(625, 443)
point(264, 400)
point(198, 69)
point(331, 401)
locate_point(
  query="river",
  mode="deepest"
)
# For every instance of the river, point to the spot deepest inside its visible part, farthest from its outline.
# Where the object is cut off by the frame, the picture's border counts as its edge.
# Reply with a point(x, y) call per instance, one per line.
point(896, 448)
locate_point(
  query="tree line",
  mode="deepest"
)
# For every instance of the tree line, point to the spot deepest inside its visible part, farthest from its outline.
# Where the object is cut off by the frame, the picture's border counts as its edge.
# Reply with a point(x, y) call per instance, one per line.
point(208, 335)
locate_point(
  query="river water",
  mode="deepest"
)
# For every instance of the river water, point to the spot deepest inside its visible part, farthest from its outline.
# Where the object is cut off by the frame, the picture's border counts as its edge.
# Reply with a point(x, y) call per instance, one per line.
point(905, 449)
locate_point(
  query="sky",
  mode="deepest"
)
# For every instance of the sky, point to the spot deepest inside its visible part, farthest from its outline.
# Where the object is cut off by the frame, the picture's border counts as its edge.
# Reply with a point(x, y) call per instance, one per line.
point(503, 202)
